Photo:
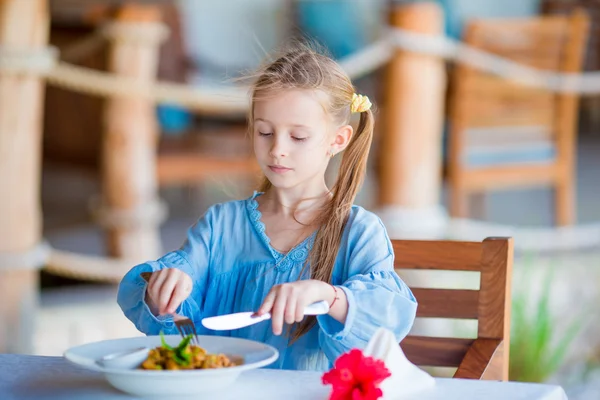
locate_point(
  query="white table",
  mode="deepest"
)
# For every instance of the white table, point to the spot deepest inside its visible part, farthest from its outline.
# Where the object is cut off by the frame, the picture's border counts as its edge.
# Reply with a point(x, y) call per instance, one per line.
point(32, 377)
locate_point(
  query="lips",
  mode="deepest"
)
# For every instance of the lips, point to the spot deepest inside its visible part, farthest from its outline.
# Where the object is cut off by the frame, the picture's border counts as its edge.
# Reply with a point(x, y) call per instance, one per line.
point(279, 169)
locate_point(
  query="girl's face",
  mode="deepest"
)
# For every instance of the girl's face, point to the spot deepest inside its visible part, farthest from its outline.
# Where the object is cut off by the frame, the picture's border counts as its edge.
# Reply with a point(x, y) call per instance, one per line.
point(293, 137)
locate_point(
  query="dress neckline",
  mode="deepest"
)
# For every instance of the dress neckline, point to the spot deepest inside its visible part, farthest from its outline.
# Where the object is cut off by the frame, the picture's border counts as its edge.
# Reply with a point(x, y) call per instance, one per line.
point(284, 261)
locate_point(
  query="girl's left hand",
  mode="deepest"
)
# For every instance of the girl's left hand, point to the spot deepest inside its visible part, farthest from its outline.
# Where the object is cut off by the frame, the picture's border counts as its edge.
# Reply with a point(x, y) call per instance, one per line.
point(286, 302)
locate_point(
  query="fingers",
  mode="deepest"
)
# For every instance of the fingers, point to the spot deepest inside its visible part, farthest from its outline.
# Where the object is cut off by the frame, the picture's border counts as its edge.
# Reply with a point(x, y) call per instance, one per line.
point(290, 310)
point(181, 292)
point(267, 304)
point(278, 311)
point(153, 289)
point(286, 304)
point(168, 288)
point(299, 312)
point(166, 292)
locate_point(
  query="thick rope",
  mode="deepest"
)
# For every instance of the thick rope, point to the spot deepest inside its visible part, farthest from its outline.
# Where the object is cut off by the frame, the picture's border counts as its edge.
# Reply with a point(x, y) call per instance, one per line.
point(67, 264)
point(152, 213)
point(440, 46)
point(215, 101)
point(33, 258)
point(27, 62)
point(87, 267)
point(234, 100)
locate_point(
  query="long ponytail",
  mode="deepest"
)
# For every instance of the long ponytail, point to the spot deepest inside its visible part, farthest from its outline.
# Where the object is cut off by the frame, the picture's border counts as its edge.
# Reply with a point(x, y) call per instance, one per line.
point(334, 215)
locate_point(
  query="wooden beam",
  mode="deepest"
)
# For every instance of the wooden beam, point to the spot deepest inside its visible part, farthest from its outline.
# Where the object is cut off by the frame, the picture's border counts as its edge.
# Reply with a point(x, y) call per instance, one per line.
point(413, 113)
point(192, 168)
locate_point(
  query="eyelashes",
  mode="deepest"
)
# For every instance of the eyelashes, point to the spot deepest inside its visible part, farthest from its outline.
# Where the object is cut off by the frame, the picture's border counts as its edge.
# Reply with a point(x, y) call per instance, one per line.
point(294, 138)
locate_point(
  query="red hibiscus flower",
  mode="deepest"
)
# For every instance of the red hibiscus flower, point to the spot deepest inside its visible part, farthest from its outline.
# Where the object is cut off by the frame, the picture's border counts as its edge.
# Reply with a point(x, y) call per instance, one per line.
point(356, 377)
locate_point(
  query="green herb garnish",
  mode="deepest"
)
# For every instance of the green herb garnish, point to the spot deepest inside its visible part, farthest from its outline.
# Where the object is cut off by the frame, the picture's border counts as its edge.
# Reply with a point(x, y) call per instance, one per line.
point(181, 354)
point(163, 342)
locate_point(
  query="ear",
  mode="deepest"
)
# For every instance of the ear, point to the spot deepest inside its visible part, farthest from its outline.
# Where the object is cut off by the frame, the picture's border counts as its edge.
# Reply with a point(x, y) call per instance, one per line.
point(342, 138)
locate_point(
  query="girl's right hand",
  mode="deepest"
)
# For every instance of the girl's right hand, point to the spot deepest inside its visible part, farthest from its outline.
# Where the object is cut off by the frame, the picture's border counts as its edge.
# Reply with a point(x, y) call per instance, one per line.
point(167, 289)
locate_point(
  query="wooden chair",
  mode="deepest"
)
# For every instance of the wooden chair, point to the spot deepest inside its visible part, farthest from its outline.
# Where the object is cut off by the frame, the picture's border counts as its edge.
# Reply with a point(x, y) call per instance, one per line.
point(505, 135)
point(485, 357)
point(590, 105)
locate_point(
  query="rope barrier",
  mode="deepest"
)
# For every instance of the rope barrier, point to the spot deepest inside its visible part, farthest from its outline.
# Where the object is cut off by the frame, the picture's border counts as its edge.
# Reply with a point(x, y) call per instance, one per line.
point(67, 264)
point(87, 267)
point(214, 101)
point(440, 46)
point(32, 258)
point(152, 213)
point(368, 59)
point(233, 100)
point(18, 61)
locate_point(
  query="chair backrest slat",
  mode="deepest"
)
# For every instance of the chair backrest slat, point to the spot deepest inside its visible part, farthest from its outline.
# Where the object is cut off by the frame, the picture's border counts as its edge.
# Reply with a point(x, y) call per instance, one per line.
point(435, 352)
point(443, 254)
point(447, 303)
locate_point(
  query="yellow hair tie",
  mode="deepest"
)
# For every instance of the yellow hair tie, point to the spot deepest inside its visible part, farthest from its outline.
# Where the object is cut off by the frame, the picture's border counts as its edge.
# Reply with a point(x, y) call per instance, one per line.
point(360, 103)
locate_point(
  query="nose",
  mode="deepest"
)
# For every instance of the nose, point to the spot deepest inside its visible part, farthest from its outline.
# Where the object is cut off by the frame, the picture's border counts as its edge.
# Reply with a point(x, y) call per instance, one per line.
point(278, 147)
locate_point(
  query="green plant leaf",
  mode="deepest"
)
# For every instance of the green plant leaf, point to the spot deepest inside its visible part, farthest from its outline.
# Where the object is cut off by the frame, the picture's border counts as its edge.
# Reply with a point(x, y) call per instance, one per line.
point(569, 336)
point(535, 355)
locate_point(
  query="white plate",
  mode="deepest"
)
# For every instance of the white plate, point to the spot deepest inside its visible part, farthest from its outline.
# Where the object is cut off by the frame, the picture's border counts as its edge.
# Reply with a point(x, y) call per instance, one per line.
point(163, 384)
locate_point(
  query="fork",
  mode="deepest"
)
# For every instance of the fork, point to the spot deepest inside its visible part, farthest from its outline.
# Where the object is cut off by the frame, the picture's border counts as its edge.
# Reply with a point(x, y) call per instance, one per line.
point(184, 325)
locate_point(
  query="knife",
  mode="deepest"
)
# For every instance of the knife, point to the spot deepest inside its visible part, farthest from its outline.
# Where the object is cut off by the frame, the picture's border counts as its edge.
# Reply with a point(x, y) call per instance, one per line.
point(243, 319)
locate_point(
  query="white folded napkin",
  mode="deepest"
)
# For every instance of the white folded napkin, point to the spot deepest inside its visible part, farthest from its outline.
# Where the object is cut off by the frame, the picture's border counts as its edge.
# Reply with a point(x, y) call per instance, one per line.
point(407, 379)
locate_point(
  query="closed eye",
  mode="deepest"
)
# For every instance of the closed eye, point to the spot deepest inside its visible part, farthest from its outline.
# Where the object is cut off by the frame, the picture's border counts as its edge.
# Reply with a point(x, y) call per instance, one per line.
point(294, 138)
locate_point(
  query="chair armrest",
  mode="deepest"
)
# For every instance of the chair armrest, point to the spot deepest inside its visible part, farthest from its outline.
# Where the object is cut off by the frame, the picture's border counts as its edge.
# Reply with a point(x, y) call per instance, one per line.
point(485, 360)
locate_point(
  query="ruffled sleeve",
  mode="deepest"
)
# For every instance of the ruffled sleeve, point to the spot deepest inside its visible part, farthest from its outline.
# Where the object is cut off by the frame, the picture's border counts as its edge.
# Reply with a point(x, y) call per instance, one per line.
point(377, 297)
point(193, 258)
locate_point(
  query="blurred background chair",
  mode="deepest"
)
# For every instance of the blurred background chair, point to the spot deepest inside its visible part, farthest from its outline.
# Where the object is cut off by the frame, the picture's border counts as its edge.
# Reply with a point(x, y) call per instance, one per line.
point(590, 106)
point(505, 135)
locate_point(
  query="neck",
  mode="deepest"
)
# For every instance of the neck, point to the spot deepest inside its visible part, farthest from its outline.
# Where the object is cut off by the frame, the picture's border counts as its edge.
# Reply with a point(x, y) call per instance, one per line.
point(294, 201)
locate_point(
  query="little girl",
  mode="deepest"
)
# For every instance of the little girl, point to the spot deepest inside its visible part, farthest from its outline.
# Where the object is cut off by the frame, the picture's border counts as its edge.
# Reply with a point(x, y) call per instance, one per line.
point(296, 241)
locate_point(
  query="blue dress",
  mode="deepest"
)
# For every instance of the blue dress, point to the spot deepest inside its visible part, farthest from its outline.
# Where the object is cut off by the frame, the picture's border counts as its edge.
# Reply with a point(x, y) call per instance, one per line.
point(233, 267)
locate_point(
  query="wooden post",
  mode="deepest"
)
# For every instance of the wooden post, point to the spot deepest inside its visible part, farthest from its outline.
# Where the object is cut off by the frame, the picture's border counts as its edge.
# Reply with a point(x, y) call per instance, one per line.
point(411, 139)
point(131, 137)
point(23, 27)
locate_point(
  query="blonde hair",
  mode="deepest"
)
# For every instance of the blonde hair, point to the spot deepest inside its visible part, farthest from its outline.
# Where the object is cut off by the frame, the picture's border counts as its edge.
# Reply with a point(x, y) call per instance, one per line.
point(303, 67)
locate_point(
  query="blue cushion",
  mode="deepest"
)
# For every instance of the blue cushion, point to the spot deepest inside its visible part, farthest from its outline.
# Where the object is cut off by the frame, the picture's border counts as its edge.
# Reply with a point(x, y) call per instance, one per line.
point(516, 155)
